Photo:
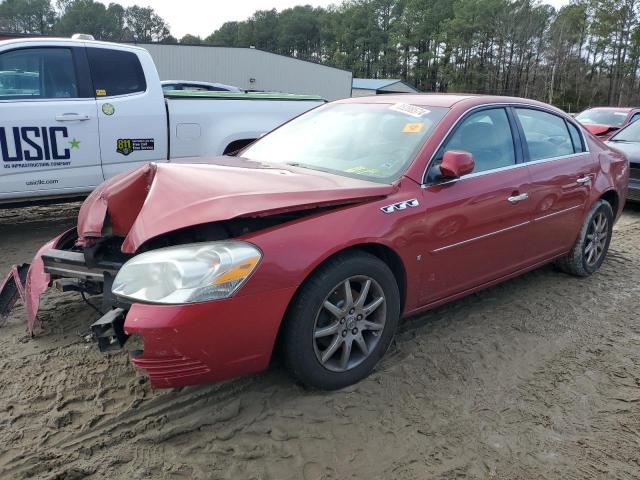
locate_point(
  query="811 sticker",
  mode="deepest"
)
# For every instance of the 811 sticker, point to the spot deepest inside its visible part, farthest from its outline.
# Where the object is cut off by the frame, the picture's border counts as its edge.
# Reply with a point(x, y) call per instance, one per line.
point(125, 146)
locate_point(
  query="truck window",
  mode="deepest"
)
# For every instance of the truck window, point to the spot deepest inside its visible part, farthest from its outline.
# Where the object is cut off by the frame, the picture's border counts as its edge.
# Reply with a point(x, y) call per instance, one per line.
point(37, 73)
point(115, 72)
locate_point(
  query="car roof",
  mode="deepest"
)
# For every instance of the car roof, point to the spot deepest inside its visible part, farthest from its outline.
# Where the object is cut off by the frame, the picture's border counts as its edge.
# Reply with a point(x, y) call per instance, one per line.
point(445, 100)
point(613, 109)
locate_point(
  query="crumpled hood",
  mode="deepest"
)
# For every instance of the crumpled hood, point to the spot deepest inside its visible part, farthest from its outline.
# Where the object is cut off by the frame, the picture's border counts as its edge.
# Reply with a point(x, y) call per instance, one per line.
point(159, 198)
point(600, 129)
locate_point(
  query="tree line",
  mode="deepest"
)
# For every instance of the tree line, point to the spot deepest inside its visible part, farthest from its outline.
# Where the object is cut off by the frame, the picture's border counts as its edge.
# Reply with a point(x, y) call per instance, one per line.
point(586, 53)
point(66, 17)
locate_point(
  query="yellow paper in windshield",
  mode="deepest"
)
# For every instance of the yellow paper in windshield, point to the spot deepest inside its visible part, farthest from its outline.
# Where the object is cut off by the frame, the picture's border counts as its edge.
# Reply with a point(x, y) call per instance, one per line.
point(413, 127)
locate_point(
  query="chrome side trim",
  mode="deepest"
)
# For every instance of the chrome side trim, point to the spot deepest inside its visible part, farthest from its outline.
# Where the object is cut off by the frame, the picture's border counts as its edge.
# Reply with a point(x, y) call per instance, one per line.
point(506, 104)
point(538, 219)
point(491, 234)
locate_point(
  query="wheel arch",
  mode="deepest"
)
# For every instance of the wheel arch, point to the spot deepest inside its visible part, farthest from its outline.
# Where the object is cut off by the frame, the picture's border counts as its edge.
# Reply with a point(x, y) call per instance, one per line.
point(383, 252)
point(613, 199)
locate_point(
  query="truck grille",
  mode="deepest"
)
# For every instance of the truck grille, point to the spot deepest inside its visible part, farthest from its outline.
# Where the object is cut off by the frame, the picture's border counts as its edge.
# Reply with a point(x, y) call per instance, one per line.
point(635, 173)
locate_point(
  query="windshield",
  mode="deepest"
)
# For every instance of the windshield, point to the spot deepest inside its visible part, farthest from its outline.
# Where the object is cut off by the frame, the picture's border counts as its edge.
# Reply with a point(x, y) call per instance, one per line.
point(629, 134)
point(602, 116)
point(370, 141)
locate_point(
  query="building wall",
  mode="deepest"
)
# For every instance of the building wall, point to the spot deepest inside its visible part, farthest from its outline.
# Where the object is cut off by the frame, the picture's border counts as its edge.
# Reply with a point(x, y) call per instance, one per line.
point(237, 66)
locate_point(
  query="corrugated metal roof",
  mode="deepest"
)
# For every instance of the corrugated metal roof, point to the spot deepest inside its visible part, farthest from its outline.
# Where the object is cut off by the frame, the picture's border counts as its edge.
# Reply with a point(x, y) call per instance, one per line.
point(373, 83)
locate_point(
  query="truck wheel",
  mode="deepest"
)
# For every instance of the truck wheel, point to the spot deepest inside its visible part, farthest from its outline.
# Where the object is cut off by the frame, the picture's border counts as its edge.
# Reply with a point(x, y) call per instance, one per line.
point(592, 244)
point(341, 321)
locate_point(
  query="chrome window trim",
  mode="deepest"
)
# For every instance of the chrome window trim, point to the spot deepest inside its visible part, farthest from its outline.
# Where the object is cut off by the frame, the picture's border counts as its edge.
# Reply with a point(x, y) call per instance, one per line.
point(502, 169)
point(516, 165)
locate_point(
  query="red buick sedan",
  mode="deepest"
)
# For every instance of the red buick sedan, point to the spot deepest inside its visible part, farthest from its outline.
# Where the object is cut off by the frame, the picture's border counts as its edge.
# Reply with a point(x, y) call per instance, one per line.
point(603, 122)
point(321, 235)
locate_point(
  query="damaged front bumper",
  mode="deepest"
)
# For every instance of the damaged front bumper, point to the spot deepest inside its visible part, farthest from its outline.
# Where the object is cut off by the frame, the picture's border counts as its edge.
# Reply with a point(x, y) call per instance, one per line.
point(182, 344)
point(27, 282)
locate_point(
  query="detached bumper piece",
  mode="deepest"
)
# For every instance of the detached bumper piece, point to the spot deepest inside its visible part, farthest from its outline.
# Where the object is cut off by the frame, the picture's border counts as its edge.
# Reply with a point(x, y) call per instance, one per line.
point(109, 330)
point(11, 289)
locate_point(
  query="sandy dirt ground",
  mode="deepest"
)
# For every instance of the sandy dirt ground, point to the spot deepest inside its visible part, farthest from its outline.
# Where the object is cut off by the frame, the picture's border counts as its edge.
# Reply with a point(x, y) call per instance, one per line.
point(535, 378)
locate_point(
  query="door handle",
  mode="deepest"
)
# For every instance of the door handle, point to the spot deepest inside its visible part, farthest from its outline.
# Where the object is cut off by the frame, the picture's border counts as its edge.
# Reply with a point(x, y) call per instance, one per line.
point(72, 117)
point(583, 180)
point(518, 198)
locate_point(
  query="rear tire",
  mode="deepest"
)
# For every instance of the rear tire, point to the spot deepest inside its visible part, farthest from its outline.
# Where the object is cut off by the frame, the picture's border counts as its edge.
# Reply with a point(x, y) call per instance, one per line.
point(341, 321)
point(592, 244)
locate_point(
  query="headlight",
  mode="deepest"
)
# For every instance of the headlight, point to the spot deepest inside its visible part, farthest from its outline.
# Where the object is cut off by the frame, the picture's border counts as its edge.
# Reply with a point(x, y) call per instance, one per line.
point(188, 273)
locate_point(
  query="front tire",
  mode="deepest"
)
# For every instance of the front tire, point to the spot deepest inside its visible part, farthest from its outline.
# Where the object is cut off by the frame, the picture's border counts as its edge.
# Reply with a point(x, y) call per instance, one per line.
point(341, 322)
point(592, 244)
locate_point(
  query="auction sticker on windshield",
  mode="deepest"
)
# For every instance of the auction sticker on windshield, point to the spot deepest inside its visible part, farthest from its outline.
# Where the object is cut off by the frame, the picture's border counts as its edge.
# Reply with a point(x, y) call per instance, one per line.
point(412, 110)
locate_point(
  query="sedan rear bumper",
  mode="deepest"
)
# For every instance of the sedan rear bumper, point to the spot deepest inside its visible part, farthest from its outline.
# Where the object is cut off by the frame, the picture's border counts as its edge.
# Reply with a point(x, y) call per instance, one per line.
point(210, 341)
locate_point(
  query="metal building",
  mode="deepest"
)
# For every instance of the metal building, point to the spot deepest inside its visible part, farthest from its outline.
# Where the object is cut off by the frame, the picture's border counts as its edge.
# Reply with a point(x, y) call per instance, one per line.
point(249, 68)
point(363, 87)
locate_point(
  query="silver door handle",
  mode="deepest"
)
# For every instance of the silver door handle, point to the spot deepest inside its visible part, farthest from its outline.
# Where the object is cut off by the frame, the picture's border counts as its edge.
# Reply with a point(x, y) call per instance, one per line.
point(518, 198)
point(583, 180)
point(72, 117)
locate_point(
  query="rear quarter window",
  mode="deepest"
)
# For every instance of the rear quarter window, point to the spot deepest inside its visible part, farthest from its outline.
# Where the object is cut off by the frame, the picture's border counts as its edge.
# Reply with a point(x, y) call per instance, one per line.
point(115, 72)
point(576, 138)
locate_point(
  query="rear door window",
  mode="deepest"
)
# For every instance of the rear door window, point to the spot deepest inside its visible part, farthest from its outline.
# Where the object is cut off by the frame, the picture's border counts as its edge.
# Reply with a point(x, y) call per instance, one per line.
point(38, 73)
point(546, 135)
point(115, 72)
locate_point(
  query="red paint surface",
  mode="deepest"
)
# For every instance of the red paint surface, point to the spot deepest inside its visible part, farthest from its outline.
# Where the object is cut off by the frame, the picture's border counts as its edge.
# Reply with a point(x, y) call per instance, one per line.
point(35, 285)
point(603, 132)
point(160, 198)
point(204, 342)
point(463, 236)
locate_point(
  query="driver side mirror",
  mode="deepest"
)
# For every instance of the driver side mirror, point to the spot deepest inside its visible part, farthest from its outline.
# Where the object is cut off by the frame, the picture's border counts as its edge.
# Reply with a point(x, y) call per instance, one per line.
point(456, 163)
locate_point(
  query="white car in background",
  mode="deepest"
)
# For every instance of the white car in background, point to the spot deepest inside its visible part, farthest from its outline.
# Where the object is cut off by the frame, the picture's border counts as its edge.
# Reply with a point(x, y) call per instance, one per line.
point(75, 112)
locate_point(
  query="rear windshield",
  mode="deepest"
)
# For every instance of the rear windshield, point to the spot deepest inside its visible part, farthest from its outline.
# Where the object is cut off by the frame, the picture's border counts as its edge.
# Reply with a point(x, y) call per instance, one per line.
point(370, 141)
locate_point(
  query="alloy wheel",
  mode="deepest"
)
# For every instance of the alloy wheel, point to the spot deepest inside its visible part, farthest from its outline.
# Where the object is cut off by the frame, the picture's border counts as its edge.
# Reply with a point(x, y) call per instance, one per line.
point(596, 240)
point(349, 323)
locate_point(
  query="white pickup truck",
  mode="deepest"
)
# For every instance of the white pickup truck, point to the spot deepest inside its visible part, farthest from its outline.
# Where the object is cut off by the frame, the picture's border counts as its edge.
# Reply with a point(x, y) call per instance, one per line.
point(75, 112)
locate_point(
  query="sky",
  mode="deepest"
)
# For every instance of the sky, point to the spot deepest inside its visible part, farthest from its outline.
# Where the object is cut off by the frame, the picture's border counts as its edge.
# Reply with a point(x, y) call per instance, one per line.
point(203, 17)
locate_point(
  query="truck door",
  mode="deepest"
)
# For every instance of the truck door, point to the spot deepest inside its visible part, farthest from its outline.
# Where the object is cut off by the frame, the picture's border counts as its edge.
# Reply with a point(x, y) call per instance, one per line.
point(131, 108)
point(48, 123)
